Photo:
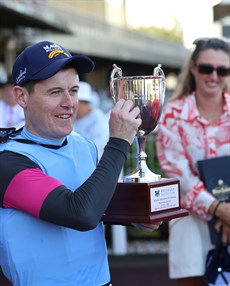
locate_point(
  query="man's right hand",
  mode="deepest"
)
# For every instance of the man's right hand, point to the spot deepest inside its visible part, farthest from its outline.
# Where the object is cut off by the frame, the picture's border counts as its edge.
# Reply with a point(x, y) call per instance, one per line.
point(124, 120)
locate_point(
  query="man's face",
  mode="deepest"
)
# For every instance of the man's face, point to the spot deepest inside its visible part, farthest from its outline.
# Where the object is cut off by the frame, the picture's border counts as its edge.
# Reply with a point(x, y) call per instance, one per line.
point(51, 108)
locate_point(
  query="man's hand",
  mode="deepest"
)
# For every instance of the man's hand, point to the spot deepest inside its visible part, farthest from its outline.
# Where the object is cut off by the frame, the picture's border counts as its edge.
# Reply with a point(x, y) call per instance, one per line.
point(124, 120)
point(147, 227)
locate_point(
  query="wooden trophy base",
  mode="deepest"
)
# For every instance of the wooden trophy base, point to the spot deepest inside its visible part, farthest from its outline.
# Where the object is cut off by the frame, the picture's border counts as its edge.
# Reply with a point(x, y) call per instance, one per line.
point(145, 202)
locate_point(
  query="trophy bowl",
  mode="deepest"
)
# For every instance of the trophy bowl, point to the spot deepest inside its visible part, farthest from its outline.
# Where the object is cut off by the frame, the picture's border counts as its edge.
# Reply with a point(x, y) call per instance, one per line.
point(148, 93)
point(143, 196)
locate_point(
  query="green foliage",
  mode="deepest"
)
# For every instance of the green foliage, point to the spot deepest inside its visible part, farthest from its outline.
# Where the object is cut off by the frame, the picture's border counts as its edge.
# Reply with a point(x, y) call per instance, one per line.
point(150, 150)
point(175, 33)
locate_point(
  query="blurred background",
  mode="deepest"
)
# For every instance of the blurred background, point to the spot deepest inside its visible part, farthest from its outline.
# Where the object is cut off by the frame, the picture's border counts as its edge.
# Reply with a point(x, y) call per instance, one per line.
point(136, 35)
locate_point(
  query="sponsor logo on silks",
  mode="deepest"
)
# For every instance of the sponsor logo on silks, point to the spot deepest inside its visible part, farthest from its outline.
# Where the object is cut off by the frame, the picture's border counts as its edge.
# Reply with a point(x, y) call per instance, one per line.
point(54, 50)
point(157, 193)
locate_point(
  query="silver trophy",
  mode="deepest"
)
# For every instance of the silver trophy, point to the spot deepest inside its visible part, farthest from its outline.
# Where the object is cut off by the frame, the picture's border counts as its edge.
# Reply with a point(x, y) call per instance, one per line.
point(143, 196)
point(148, 93)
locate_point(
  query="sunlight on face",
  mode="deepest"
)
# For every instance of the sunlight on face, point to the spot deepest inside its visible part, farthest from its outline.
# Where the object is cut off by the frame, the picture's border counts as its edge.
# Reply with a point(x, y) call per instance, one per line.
point(51, 108)
point(211, 84)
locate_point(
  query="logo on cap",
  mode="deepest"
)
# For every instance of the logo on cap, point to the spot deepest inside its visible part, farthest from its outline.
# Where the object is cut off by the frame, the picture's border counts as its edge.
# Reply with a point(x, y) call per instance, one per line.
point(21, 76)
point(44, 59)
point(54, 50)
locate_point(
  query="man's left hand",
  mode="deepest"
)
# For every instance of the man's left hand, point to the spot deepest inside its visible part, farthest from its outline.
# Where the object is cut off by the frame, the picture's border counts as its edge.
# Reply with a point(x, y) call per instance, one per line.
point(147, 227)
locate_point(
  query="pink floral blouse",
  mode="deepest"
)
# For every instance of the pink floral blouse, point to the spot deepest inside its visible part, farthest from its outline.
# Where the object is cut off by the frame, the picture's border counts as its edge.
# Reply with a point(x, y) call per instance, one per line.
point(183, 138)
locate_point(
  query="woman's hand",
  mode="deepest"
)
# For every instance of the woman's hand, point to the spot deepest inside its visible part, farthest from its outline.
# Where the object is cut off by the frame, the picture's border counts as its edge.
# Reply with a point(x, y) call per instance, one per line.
point(223, 213)
point(221, 226)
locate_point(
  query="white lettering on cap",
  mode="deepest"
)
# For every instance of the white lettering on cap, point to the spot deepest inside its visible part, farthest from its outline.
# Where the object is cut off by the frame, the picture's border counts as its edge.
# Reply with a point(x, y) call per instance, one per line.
point(21, 76)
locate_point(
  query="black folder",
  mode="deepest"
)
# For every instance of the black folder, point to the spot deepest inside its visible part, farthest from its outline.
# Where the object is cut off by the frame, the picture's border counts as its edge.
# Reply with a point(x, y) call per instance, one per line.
point(215, 173)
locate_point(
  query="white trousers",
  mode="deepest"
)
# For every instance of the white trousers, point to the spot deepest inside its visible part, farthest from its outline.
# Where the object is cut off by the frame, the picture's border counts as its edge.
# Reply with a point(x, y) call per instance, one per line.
point(189, 243)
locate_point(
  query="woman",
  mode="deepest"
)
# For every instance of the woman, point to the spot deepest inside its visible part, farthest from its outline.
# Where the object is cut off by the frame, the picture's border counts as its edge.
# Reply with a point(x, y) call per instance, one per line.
point(195, 125)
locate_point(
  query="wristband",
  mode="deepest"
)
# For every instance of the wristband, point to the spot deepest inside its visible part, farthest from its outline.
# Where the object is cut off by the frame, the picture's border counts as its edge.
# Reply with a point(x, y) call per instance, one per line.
point(216, 207)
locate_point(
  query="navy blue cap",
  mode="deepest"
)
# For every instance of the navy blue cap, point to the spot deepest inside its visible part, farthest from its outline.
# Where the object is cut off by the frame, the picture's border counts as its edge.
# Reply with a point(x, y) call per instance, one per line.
point(43, 60)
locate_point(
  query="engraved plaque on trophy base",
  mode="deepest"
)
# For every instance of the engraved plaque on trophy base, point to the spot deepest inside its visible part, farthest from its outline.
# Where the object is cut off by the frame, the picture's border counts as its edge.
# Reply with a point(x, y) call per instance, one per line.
point(145, 202)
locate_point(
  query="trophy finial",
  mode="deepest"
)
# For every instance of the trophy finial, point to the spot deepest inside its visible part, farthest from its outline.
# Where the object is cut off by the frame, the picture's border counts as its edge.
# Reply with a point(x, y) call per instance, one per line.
point(158, 71)
point(116, 71)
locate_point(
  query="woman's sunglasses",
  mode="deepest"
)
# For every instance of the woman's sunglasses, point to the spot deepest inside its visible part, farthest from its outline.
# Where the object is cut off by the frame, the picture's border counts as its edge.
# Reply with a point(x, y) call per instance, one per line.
point(208, 69)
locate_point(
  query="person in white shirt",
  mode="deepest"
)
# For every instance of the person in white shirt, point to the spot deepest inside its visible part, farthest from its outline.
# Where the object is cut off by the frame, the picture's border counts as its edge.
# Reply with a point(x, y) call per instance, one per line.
point(91, 121)
point(11, 114)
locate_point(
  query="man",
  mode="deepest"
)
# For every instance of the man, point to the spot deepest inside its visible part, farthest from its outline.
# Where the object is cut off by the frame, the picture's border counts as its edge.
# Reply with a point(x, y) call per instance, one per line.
point(52, 194)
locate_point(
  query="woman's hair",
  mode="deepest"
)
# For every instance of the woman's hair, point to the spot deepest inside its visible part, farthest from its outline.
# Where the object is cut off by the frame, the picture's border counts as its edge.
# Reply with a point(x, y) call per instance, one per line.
point(186, 82)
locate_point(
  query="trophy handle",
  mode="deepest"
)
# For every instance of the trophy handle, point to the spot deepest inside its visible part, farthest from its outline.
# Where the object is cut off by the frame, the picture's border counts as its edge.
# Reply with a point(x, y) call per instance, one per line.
point(158, 71)
point(116, 72)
